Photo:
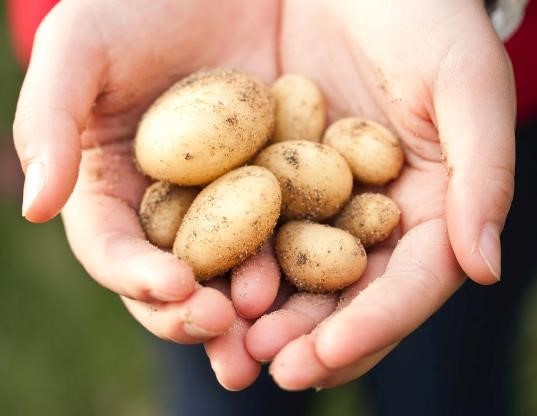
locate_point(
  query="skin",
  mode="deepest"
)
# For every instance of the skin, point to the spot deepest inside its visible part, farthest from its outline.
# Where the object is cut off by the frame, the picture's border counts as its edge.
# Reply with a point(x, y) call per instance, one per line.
point(438, 76)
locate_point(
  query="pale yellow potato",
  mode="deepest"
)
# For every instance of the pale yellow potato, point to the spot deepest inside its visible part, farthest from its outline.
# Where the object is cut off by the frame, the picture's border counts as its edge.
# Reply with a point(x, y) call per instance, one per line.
point(162, 209)
point(204, 126)
point(300, 109)
point(316, 180)
point(228, 221)
point(370, 217)
point(372, 151)
point(319, 258)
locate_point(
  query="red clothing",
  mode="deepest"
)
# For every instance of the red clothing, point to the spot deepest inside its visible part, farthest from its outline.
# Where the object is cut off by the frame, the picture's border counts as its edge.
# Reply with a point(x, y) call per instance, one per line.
point(25, 16)
point(522, 48)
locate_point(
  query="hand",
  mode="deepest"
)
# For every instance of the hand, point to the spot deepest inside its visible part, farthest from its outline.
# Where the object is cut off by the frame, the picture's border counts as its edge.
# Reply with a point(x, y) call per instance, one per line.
point(113, 76)
point(95, 68)
point(437, 74)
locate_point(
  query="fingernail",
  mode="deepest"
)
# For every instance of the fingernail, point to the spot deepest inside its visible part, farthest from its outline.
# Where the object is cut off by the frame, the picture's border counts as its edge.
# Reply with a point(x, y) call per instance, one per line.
point(490, 249)
point(196, 332)
point(33, 184)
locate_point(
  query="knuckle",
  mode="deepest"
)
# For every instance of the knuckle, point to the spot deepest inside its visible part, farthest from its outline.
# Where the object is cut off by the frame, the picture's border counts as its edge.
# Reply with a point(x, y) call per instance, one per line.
point(139, 291)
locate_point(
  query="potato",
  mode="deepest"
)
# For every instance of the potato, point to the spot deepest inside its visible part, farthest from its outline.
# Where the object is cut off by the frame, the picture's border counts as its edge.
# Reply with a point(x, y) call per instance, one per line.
point(315, 179)
point(319, 258)
point(300, 109)
point(204, 126)
point(228, 221)
point(162, 209)
point(372, 151)
point(369, 217)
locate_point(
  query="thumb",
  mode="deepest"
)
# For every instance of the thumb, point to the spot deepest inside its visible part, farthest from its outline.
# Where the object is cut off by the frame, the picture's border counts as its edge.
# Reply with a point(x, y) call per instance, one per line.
point(57, 95)
point(475, 112)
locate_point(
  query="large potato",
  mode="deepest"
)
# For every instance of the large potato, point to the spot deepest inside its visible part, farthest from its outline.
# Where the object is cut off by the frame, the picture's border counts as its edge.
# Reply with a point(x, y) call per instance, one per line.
point(319, 258)
point(315, 179)
point(228, 221)
point(162, 209)
point(372, 151)
point(369, 217)
point(300, 109)
point(204, 126)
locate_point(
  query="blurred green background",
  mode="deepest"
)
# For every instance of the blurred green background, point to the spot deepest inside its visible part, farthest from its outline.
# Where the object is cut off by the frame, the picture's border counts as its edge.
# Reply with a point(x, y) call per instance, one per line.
point(68, 346)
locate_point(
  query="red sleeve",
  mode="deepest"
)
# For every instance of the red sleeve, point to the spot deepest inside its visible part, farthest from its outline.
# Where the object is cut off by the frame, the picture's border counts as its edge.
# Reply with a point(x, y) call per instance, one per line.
point(24, 17)
point(522, 48)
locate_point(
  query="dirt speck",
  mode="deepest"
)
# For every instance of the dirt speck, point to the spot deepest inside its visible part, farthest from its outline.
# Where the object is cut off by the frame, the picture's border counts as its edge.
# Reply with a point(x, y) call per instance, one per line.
point(301, 259)
point(291, 157)
point(232, 120)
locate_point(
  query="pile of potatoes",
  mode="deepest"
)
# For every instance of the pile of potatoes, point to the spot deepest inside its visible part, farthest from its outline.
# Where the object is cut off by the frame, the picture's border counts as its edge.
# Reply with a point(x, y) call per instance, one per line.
point(236, 162)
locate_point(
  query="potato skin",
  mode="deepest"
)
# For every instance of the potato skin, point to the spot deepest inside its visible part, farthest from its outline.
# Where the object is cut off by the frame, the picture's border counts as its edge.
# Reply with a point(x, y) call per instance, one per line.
point(318, 258)
point(205, 125)
point(162, 209)
point(300, 109)
point(370, 217)
point(228, 221)
point(315, 179)
point(372, 151)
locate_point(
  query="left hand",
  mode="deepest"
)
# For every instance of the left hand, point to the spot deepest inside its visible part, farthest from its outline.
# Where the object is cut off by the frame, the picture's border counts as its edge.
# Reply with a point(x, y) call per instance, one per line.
point(436, 73)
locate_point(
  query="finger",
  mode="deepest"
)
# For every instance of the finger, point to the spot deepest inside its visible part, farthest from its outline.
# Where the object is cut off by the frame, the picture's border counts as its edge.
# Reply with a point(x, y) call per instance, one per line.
point(352, 372)
point(474, 103)
point(298, 316)
point(106, 237)
point(206, 314)
point(421, 275)
point(297, 366)
point(233, 366)
point(105, 234)
point(255, 283)
point(57, 95)
point(376, 265)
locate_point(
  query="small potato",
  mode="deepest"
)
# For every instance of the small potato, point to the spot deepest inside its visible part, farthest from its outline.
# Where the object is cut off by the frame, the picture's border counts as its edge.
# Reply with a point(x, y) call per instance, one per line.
point(162, 209)
point(204, 126)
point(300, 109)
point(369, 217)
point(315, 179)
point(372, 151)
point(319, 258)
point(228, 221)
